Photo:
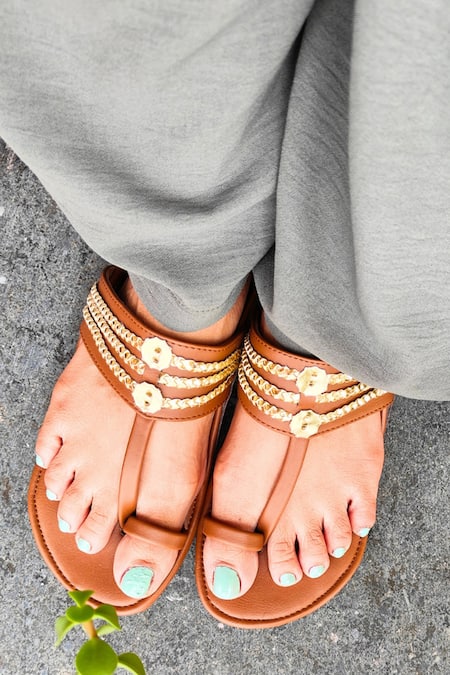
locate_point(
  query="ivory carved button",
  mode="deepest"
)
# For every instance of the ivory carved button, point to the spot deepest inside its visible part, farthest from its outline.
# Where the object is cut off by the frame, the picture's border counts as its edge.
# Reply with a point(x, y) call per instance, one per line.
point(304, 424)
point(147, 397)
point(156, 353)
point(312, 381)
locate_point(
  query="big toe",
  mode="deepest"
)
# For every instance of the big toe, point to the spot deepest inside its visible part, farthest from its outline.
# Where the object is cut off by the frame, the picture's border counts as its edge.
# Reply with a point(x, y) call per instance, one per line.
point(140, 567)
point(230, 570)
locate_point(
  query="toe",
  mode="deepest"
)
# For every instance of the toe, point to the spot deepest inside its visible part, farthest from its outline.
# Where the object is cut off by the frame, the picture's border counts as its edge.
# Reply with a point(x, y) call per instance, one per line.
point(283, 561)
point(338, 534)
point(230, 571)
point(140, 568)
point(95, 528)
point(48, 443)
point(73, 507)
point(313, 553)
point(362, 514)
point(58, 477)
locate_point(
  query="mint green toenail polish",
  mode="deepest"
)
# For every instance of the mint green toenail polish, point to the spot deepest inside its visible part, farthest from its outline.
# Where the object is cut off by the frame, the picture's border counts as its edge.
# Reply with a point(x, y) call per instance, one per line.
point(40, 462)
point(83, 545)
point(316, 571)
point(226, 583)
point(363, 532)
point(288, 579)
point(339, 552)
point(136, 581)
point(63, 525)
point(51, 495)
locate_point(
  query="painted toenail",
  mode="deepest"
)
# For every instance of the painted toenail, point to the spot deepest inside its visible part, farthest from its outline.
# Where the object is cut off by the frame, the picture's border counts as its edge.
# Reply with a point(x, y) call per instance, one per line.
point(316, 571)
point(226, 583)
point(51, 495)
point(288, 579)
point(136, 581)
point(40, 462)
point(63, 525)
point(363, 532)
point(83, 545)
point(339, 552)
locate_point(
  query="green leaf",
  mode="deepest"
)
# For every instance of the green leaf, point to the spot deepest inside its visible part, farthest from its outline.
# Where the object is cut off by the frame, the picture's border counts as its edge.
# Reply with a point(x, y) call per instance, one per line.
point(108, 614)
point(80, 597)
point(80, 614)
point(105, 629)
point(132, 663)
point(96, 658)
point(62, 627)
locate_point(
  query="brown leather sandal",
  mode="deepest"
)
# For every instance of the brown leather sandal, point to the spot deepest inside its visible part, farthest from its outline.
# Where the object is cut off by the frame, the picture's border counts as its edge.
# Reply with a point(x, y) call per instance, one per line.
point(299, 397)
point(150, 372)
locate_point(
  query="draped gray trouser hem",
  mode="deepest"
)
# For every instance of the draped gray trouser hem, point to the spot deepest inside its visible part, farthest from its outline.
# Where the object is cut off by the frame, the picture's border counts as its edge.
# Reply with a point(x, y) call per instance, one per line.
point(305, 142)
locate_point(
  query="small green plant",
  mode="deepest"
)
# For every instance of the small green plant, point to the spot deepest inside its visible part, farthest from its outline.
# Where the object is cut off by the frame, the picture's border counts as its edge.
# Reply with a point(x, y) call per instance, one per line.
point(96, 657)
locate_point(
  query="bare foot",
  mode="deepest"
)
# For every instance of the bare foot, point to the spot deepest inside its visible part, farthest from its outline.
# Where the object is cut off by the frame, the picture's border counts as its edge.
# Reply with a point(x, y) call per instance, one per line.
point(82, 443)
point(334, 496)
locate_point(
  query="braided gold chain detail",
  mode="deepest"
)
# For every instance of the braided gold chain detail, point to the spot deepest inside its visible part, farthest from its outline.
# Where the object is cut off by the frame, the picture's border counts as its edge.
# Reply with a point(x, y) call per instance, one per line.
point(293, 397)
point(130, 359)
point(339, 394)
point(139, 366)
point(265, 386)
point(318, 419)
point(130, 384)
point(104, 352)
point(197, 382)
point(285, 372)
point(135, 341)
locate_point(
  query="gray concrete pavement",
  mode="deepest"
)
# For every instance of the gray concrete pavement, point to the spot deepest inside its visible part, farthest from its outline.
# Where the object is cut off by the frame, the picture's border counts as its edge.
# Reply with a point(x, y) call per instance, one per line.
point(391, 618)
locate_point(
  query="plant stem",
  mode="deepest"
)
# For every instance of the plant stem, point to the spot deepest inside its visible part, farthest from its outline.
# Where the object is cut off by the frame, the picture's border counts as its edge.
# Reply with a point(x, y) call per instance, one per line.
point(89, 629)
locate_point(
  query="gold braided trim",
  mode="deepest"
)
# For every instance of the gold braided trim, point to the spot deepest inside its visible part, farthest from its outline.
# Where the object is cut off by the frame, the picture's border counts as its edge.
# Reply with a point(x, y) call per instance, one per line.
point(287, 373)
point(130, 359)
point(197, 382)
point(305, 423)
point(265, 386)
point(137, 342)
point(147, 397)
point(139, 366)
point(340, 394)
point(286, 396)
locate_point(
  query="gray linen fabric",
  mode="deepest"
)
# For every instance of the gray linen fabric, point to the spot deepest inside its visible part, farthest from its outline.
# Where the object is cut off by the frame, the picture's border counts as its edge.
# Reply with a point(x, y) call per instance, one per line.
point(195, 142)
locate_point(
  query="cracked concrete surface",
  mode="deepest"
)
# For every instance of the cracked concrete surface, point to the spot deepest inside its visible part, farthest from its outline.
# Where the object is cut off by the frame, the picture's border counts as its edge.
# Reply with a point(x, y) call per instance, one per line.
point(391, 618)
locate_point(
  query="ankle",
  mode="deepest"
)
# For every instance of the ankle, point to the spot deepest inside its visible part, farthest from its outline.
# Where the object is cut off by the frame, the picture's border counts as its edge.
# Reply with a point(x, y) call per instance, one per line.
point(278, 339)
point(215, 334)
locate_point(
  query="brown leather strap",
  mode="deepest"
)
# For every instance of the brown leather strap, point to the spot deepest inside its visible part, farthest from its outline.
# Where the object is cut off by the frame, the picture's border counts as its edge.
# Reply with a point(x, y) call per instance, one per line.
point(269, 378)
point(250, 541)
point(155, 534)
point(132, 466)
point(283, 487)
point(114, 338)
point(277, 355)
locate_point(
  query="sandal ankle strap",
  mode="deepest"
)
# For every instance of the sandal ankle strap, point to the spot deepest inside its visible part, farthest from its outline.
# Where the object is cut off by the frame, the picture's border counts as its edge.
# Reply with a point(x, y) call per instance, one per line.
point(300, 396)
point(156, 375)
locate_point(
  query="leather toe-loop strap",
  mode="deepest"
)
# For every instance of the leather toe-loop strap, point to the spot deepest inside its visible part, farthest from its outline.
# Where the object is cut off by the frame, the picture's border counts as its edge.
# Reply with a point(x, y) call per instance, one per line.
point(250, 541)
point(154, 534)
